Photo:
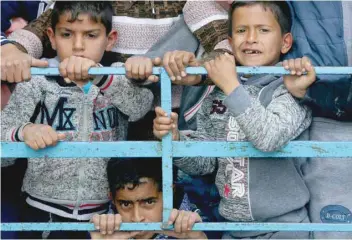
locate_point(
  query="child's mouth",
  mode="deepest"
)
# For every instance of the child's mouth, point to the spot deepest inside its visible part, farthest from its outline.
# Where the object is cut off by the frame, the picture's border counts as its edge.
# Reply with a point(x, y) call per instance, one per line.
point(251, 52)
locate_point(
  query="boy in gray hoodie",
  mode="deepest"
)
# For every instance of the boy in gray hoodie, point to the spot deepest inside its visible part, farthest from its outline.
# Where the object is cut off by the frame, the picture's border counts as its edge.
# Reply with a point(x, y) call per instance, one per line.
point(258, 109)
point(45, 110)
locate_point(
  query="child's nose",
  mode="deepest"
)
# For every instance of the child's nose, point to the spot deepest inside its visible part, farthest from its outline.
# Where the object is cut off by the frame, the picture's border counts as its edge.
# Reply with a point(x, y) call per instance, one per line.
point(78, 43)
point(252, 36)
point(137, 215)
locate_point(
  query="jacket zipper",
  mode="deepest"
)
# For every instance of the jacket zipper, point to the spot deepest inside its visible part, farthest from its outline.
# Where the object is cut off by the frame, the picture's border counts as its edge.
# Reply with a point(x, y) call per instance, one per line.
point(84, 137)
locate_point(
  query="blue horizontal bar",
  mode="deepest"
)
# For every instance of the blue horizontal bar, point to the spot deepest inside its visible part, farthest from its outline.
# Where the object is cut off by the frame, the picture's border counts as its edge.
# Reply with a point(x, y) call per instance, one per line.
point(50, 71)
point(84, 150)
point(180, 149)
point(277, 70)
point(246, 149)
point(219, 226)
point(199, 70)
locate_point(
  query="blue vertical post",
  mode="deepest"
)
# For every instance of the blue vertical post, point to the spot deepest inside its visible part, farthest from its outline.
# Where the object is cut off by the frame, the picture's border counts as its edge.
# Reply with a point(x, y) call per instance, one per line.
point(166, 149)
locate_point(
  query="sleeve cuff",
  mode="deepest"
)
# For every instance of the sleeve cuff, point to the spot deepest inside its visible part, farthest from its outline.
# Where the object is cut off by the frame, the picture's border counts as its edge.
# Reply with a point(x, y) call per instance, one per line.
point(238, 101)
point(4, 40)
point(28, 41)
point(103, 81)
point(306, 100)
point(17, 133)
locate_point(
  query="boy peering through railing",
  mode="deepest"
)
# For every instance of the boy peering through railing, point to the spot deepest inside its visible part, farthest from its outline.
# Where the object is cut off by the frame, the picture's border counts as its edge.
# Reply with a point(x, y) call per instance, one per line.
point(258, 109)
point(45, 110)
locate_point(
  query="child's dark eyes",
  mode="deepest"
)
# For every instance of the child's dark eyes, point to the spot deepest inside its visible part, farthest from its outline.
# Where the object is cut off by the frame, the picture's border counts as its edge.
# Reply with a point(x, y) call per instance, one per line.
point(90, 35)
point(65, 35)
point(264, 30)
point(149, 202)
point(125, 205)
point(240, 30)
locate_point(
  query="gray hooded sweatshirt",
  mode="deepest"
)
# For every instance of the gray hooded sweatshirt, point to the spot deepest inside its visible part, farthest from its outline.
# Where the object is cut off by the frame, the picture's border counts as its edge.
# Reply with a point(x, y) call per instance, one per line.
point(263, 112)
point(96, 112)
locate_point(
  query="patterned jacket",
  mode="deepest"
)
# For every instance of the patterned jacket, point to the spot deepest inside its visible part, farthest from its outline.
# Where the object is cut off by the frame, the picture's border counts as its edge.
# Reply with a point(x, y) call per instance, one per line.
point(263, 112)
point(97, 112)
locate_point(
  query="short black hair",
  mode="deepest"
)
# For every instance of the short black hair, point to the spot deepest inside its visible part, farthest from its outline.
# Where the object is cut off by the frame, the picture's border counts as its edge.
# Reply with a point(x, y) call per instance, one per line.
point(125, 171)
point(99, 11)
point(280, 9)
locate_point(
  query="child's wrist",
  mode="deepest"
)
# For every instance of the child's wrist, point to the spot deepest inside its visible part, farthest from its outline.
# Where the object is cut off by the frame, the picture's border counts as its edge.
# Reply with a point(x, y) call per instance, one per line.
point(300, 93)
point(198, 235)
point(200, 79)
point(23, 129)
point(230, 86)
point(202, 235)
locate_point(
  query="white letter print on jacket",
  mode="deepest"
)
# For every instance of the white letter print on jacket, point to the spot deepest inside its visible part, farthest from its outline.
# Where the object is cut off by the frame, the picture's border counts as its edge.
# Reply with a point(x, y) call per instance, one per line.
point(234, 174)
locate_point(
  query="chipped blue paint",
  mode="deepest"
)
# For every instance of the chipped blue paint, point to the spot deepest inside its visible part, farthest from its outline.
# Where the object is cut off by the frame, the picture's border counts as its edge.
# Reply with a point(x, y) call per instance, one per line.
point(50, 71)
point(222, 226)
point(180, 149)
point(246, 149)
point(277, 70)
point(200, 70)
point(166, 151)
point(84, 149)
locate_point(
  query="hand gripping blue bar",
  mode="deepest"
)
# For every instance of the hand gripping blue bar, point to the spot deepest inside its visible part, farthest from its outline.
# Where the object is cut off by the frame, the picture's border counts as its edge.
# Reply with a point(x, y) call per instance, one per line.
point(199, 70)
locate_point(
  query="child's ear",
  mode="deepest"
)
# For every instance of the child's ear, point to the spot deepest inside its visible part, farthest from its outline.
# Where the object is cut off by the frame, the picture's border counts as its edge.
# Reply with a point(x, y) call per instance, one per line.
point(287, 41)
point(51, 35)
point(229, 39)
point(111, 199)
point(112, 38)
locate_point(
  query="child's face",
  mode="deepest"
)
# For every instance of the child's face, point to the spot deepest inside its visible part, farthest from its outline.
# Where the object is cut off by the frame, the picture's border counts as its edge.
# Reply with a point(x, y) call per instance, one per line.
point(83, 37)
point(256, 37)
point(144, 203)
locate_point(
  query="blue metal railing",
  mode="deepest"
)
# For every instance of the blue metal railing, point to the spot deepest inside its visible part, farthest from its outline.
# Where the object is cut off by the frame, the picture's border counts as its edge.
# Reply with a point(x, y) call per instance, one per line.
point(168, 149)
